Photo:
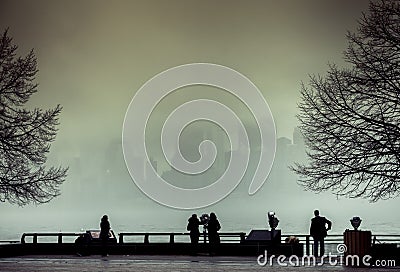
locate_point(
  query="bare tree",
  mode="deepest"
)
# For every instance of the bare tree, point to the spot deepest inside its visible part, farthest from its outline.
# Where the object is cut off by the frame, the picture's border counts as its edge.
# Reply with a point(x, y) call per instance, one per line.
point(25, 135)
point(350, 117)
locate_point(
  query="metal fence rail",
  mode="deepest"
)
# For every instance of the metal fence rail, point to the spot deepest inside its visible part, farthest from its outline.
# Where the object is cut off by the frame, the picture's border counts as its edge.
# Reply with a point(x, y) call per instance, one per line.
point(384, 238)
point(8, 242)
point(226, 237)
point(59, 236)
point(229, 237)
point(336, 239)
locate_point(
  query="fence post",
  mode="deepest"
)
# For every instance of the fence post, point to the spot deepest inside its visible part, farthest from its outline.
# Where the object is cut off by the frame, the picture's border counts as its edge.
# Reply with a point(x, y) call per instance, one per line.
point(242, 237)
point(60, 238)
point(121, 238)
point(171, 238)
point(35, 238)
point(23, 239)
point(307, 245)
point(146, 238)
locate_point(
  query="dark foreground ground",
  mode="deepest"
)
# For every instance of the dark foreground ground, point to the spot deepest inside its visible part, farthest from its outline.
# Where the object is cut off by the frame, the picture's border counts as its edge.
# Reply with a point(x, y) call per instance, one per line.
point(157, 264)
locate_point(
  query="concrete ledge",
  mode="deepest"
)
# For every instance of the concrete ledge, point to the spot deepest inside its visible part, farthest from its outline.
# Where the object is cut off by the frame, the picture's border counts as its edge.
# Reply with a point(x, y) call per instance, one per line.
point(223, 249)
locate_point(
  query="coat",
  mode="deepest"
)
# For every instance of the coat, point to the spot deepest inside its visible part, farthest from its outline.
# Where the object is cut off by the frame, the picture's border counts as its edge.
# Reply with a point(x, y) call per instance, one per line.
point(318, 228)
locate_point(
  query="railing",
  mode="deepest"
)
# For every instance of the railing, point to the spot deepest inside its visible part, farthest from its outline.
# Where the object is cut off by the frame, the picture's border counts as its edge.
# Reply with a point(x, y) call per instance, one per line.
point(225, 236)
point(338, 239)
point(384, 238)
point(308, 241)
point(9, 242)
point(59, 236)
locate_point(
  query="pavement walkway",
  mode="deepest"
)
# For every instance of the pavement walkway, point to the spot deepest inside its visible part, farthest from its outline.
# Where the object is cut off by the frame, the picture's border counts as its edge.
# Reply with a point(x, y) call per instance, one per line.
point(158, 264)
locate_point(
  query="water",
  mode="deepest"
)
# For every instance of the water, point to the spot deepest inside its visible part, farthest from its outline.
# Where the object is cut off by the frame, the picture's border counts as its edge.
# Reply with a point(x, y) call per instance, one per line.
point(12, 228)
point(235, 215)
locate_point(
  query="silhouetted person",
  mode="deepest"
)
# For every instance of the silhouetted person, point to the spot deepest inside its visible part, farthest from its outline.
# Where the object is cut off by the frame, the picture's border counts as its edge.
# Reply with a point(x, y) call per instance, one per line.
point(104, 234)
point(82, 244)
point(193, 227)
point(319, 230)
point(213, 227)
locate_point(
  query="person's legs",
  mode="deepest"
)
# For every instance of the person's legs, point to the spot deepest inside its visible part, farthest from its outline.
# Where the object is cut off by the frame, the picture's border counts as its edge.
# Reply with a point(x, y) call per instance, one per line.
point(322, 246)
point(315, 247)
point(194, 240)
point(210, 238)
point(104, 247)
point(212, 243)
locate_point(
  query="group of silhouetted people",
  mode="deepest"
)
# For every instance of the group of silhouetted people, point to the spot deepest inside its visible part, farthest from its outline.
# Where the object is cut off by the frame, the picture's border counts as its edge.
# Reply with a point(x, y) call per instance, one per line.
point(211, 224)
point(318, 230)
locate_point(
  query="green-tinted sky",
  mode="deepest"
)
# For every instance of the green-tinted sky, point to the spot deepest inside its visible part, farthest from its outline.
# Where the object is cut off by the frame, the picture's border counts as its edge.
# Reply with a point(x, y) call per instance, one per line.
point(94, 55)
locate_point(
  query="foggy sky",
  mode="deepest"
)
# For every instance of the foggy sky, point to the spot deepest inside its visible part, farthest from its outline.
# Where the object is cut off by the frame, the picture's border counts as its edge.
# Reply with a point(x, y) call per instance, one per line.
point(94, 55)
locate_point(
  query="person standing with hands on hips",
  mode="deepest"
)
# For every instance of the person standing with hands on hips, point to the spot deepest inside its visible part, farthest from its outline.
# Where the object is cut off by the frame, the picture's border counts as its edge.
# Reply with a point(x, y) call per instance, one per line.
point(319, 230)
